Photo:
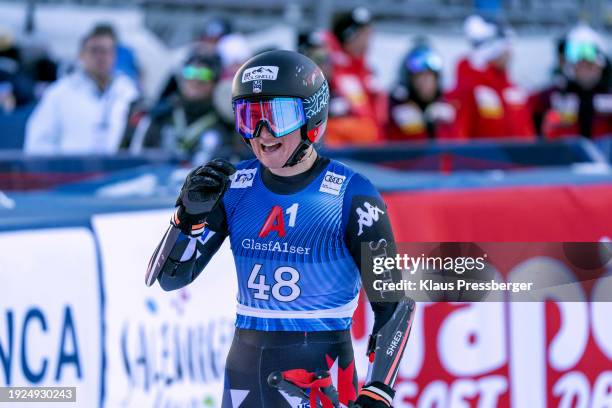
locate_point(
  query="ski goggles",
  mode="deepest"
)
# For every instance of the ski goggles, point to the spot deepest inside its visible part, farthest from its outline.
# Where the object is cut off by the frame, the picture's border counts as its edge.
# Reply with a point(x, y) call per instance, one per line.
point(423, 60)
point(193, 72)
point(280, 115)
point(582, 51)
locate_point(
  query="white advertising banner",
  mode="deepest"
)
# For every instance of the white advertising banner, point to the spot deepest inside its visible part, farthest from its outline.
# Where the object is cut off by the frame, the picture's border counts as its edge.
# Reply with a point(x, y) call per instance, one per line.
point(162, 348)
point(50, 312)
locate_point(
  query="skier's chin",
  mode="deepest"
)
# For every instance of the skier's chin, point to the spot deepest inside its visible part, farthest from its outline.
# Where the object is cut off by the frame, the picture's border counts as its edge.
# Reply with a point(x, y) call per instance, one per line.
point(272, 152)
point(274, 162)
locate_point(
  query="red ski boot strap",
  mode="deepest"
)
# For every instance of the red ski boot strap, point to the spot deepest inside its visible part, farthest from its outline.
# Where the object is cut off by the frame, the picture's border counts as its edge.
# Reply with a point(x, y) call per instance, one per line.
point(307, 380)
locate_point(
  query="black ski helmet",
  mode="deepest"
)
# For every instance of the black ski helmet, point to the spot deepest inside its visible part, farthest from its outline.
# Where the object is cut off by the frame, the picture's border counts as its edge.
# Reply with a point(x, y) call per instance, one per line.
point(282, 73)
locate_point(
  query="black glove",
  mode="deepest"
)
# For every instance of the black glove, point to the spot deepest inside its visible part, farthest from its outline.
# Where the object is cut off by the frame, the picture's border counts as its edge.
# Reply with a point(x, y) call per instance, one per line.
point(203, 188)
point(375, 395)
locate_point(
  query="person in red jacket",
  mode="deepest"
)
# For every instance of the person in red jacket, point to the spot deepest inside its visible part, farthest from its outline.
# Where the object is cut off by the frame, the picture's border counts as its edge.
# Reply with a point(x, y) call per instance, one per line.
point(582, 104)
point(357, 109)
point(418, 110)
point(490, 104)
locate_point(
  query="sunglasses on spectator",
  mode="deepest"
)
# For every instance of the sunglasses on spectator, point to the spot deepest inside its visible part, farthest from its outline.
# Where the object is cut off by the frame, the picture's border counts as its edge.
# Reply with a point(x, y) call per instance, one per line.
point(94, 49)
point(203, 74)
point(576, 52)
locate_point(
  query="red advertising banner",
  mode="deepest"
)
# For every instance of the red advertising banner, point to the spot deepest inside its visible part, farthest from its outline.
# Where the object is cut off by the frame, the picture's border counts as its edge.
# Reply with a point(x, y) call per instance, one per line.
point(513, 354)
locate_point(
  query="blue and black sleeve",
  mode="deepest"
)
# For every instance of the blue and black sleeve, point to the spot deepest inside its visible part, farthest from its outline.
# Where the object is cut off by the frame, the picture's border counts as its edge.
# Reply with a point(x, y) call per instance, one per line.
point(190, 255)
point(368, 234)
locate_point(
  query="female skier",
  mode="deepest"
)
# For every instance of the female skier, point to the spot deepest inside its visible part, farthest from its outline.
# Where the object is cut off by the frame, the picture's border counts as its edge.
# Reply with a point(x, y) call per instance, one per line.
point(303, 230)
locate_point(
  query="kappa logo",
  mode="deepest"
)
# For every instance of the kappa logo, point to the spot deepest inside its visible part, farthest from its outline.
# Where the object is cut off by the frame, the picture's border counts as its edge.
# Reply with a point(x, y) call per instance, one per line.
point(243, 178)
point(368, 217)
point(332, 183)
point(267, 72)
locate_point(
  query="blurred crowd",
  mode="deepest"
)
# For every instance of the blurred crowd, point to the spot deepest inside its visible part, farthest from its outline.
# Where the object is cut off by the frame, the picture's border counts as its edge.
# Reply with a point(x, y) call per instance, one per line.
point(95, 106)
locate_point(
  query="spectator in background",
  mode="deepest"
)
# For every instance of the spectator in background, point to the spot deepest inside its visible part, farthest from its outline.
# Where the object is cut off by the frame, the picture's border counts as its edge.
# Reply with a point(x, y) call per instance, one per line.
point(358, 109)
point(12, 73)
point(315, 45)
point(208, 38)
point(126, 62)
point(216, 38)
point(187, 122)
point(86, 111)
point(17, 95)
point(418, 110)
point(7, 98)
point(13, 118)
point(234, 51)
point(42, 69)
point(581, 105)
point(36, 61)
point(10, 58)
point(490, 104)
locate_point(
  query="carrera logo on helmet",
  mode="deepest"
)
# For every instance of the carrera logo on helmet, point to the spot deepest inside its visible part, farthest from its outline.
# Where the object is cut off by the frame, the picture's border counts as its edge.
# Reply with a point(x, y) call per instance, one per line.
point(332, 183)
point(267, 72)
point(243, 178)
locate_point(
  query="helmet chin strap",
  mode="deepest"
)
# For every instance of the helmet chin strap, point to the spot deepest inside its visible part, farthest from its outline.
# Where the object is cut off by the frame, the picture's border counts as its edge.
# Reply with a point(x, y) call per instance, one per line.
point(299, 152)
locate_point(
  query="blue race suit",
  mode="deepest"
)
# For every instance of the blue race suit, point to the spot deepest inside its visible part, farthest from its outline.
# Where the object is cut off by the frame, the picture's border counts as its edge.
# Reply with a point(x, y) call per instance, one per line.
point(296, 243)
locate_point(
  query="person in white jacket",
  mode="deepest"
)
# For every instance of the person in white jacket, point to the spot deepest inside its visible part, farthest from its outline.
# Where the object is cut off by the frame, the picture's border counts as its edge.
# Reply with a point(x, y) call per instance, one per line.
point(86, 111)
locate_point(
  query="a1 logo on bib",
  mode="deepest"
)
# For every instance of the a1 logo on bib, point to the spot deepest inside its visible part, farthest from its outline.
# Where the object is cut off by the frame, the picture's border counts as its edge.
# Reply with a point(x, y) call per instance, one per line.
point(332, 183)
point(267, 72)
point(243, 178)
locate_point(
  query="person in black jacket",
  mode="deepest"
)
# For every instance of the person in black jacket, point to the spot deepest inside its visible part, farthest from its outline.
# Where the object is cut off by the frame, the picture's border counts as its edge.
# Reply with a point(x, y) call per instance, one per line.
point(580, 103)
point(186, 122)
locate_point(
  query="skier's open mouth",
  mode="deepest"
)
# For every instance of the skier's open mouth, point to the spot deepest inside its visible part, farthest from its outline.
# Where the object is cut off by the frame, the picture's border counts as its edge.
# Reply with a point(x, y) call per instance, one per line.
point(271, 147)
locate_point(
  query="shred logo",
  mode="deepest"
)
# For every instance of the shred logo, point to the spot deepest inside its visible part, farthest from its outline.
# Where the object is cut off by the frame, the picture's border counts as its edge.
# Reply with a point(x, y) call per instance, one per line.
point(332, 183)
point(394, 343)
point(368, 217)
point(276, 220)
point(243, 178)
point(267, 72)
